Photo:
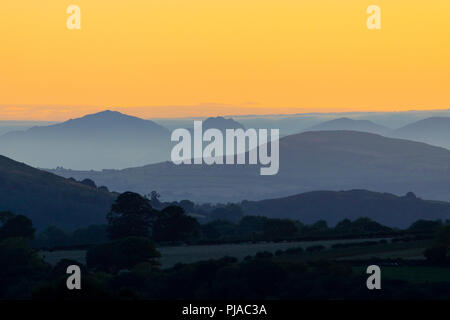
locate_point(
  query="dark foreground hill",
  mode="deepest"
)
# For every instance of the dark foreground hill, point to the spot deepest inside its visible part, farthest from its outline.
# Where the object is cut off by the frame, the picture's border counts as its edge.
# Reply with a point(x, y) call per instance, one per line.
point(49, 199)
point(323, 160)
point(106, 139)
point(332, 206)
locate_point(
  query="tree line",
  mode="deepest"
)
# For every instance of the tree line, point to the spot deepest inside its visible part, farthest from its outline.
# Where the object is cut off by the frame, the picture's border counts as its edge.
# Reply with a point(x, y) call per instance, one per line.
point(126, 265)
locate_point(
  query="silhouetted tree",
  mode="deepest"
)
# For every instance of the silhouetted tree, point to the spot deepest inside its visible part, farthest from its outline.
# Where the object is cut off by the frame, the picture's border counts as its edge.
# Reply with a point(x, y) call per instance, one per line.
point(231, 212)
point(436, 255)
point(103, 189)
point(16, 226)
point(443, 237)
point(154, 199)
point(130, 215)
point(89, 183)
point(52, 237)
point(93, 234)
point(173, 225)
point(439, 251)
point(425, 226)
point(187, 205)
point(279, 229)
point(20, 265)
point(218, 229)
point(320, 225)
point(252, 224)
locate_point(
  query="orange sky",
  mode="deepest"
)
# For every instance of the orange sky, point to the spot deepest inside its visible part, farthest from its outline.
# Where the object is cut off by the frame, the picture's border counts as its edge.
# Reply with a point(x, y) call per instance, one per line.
point(209, 57)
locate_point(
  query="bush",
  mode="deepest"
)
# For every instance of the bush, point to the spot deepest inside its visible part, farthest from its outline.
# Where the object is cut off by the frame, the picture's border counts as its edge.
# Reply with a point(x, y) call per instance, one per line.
point(264, 255)
point(436, 255)
point(279, 229)
point(16, 226)
point(174, 225)
point(315, 248)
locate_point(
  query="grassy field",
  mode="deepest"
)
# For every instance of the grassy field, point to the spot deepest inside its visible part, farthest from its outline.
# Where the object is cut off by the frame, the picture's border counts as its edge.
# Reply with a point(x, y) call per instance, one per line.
point(189, 254)
point(404, 250)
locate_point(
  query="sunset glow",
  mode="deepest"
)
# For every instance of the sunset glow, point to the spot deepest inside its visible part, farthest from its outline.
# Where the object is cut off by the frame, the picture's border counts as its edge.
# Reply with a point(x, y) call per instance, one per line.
point(175, 58)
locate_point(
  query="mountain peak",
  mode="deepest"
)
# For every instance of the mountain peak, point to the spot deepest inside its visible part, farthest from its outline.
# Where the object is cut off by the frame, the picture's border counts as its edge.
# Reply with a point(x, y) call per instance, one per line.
point(107, 139)
point(106, 114)
point(221, 123)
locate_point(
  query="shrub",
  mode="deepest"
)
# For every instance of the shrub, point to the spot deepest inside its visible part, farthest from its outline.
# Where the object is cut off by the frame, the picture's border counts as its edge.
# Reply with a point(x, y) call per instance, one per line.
point(315, 248)
point(436, 254)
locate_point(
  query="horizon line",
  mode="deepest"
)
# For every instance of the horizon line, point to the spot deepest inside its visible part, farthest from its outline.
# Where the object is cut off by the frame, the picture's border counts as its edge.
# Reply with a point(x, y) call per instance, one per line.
point(130, 112)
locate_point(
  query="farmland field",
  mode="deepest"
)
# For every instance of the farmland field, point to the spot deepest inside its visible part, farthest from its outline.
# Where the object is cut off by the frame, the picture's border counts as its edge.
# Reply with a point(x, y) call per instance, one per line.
point(190, 254)
point(411, 250)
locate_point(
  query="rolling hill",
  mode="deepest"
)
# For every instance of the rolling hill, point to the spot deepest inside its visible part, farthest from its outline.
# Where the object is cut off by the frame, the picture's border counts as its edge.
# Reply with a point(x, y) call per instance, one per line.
point(435, 131)
point(221, 123)
point(322, 160)
point(332, 206)
point(49, 199)
point(350, 124)
point(103, 140)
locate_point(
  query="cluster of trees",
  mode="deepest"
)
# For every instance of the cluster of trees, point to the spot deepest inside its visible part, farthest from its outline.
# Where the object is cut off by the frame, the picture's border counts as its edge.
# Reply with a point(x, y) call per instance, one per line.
point(126, 241)
point(12, 225)
point(133, 226)
point(439, 252)
point(259, 277)
point(53, 237)
point(208, 212)
point(133, 215)
point(126, 265)
point(130, 215)
point(257, 228)
point(20, 265)
point(172, 225)
point(90, 183)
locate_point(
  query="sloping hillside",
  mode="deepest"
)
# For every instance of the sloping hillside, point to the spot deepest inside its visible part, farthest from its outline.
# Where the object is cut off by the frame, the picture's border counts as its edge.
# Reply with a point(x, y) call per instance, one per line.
point(350, 124)
point(385, 208)
point(49, 199)
point(435, 131)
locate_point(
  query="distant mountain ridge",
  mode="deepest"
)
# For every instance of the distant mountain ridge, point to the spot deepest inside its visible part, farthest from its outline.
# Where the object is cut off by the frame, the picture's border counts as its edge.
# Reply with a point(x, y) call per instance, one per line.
point(334, 206)
point(434, 130)
point(49, 199)
point(315, 160)
point(106, 139)
point(221, 123)
point(350, 124)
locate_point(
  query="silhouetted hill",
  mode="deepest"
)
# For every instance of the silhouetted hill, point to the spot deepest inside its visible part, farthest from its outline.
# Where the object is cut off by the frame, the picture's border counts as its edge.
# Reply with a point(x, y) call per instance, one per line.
point(221, 123)
point(350, 124)
point(435, 131)
point(103, 140)
point(331, 206)
point(49, 199)
point(323, 160)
